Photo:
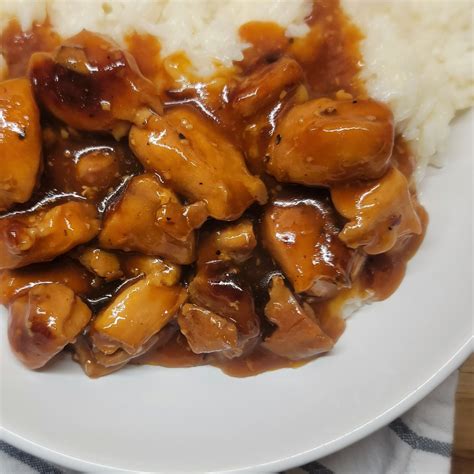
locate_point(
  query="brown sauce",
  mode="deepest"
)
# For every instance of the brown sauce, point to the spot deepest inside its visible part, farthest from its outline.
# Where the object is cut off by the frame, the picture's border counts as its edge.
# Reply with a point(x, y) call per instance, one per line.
point(337, 63)
point(17, 45)
point(330, 59)
point(176, 353)
point(145, 48)
point(255, 363)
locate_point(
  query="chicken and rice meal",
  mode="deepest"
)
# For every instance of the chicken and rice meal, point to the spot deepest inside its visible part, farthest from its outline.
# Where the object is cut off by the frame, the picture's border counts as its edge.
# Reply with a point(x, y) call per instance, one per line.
point(214, 183)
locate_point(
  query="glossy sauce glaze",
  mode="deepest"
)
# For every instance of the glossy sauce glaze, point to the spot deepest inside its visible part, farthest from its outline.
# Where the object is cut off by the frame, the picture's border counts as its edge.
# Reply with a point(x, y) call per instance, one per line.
point(235, 264)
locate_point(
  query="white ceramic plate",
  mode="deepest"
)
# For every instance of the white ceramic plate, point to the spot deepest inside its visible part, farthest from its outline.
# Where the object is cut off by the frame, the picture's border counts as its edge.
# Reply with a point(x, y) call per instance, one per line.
point(156, 419)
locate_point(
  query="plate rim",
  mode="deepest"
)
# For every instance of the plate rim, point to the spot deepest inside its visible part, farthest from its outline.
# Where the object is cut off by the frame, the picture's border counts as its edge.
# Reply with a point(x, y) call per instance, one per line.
point(378, 421)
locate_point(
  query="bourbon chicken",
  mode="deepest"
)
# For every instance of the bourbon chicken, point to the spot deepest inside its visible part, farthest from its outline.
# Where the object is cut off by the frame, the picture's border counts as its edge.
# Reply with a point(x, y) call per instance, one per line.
point(297, 334)
point(135, 315)
point(179, 221)
point(149, 218)
point(44, 234)
point(20, 142)
point(192, 157)
point(302, 234)
point(66, 271)
point(324, 142)
point(43, 320)
point(91, 84)
point(265, 85)
point(223, 315)
point(380, 212)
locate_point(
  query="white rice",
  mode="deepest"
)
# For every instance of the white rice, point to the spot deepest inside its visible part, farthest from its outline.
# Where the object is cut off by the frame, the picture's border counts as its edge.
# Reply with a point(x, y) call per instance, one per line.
point(418, 54)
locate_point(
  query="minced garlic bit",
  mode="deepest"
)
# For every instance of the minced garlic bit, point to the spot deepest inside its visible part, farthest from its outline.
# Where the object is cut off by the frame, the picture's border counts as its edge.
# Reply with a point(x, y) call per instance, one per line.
point(105, 105)
point(343, 95)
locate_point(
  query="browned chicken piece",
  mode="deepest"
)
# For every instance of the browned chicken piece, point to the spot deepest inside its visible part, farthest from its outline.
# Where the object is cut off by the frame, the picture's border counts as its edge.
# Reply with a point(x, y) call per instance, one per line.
point(301, 234)
point(121, 356)
point(324, 142)
point(85, 357)
point(219, 287)
point(91, 84)
point(135, 315)
point(149, 218)
point(235, 243)
point(379, 212)
point(160, 271)
point(43, 320)
point(297, 335)
point(207, 331)
point(44, 234)
point(197, 161)
point(64, 270)
point(100, 262)
point(86, 165)
point(97, 364)
point(20, 142)
point(223, 318)
point(266, 85)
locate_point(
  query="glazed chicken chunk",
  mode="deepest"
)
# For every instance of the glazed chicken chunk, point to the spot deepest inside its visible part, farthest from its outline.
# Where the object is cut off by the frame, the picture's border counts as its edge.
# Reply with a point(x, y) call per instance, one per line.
point(20, 142)
point(222, 301)
point(91, 84)
point(198, 162)
point(323, 142)
point(380, 212)
point(219, 288)
point(301, 233)
point(159, 270)
point(135, 315)
point(233, 243)
point(97, 364)
point(43, 320)
point(149, 218)
point(206, 331)
point(100, 262)
point(85, 356)
point(265, 85)
point(297, 334)
point(43, 234)
point(66, 271)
